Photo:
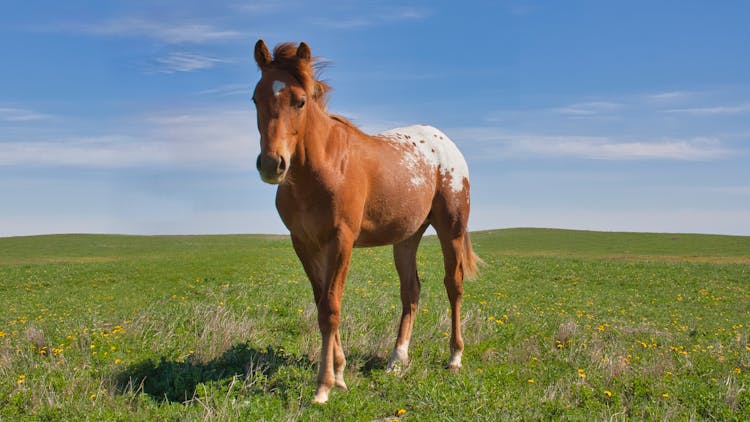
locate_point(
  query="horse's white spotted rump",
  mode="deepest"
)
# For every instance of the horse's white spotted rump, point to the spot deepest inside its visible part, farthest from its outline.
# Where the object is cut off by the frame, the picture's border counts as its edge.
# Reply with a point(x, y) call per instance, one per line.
point(277, 87)
point(428, 145)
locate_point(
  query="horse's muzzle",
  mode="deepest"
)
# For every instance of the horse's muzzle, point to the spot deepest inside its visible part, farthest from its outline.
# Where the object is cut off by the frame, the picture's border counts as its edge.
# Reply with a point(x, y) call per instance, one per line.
point(272, 168)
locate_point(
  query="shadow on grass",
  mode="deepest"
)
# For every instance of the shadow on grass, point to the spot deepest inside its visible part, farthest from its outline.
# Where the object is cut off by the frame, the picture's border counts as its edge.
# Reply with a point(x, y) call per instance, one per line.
point(176, 381)
point(365, 363)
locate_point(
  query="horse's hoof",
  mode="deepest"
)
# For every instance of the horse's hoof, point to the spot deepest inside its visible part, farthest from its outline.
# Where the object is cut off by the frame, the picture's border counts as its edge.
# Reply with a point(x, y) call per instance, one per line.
point(454, 364)
point(321, 395)
point(342, 385)
point(395, 367)
point(320, 398)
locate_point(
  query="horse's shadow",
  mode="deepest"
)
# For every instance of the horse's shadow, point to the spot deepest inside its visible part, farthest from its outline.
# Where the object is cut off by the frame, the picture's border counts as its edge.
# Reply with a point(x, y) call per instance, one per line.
point(176, 381)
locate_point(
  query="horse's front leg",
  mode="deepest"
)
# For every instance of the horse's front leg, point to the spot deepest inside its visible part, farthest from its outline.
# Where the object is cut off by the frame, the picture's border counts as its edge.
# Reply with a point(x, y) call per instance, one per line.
point(315, 261)
point(338, 252)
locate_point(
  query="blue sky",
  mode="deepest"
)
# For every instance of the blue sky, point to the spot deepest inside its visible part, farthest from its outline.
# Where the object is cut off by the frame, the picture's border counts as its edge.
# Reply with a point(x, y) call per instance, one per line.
point(135, 117)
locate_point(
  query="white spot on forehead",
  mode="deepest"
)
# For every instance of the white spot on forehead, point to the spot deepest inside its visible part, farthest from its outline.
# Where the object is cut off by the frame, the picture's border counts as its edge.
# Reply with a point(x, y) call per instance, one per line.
point(277, 87)
point(432, 147)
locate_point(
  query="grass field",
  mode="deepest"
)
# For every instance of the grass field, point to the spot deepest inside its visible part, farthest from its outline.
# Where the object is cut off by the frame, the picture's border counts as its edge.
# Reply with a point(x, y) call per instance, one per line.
point(560, 324)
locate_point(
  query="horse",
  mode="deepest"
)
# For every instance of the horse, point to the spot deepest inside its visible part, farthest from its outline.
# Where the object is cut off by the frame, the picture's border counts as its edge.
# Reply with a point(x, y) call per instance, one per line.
point(339, 188)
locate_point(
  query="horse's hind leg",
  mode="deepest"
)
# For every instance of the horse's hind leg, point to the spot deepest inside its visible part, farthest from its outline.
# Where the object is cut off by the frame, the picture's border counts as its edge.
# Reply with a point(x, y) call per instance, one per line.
point(405, 257)
point(450, 224)
point(452, 253)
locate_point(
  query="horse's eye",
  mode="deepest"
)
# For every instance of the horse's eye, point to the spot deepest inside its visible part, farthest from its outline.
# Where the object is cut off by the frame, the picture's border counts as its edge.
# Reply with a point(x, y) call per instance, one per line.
point(299, 102)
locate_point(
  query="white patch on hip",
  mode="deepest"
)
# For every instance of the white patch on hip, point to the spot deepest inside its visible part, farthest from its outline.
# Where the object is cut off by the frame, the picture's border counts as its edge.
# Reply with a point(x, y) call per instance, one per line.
point(429, 146)
point(277, 87)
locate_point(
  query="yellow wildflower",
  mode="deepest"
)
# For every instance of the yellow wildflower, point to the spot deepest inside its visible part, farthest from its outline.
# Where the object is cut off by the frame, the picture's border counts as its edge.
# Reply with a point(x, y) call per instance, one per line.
point(401, 412)
point(21, 379)
point(608, 393)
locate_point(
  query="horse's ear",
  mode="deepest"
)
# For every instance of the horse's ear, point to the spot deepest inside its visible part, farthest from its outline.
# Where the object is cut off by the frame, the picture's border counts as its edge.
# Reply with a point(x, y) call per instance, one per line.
point(262, 55)
point(303, 52)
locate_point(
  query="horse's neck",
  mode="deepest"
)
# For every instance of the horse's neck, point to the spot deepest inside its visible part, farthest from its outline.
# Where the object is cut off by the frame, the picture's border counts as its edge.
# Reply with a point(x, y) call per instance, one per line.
point(326, 141)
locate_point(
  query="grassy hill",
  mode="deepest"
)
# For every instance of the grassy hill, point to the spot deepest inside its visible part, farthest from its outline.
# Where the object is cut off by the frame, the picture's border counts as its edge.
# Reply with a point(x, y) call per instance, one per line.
point(559, 324)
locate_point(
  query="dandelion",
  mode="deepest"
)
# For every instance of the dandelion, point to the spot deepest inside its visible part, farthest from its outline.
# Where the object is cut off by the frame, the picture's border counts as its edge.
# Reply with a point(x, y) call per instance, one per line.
point(737, 371)
point(608, 393)
point(118, 361)
point(2, 333)
point(21, 379)
point(665, 395)
point(582, 373)
point(401, 412)
point(531, 380)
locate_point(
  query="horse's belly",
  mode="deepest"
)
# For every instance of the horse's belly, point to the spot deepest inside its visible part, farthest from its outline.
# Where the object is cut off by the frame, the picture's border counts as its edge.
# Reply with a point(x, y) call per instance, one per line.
point(393, 222)
point(386, 235)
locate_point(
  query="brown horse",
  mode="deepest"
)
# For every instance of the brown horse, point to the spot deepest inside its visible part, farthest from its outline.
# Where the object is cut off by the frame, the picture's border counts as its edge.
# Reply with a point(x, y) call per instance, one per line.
point(339, 188)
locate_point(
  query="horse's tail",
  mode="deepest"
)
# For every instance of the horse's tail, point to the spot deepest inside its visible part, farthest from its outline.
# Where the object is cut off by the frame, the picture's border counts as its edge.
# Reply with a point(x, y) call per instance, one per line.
point(470, 260)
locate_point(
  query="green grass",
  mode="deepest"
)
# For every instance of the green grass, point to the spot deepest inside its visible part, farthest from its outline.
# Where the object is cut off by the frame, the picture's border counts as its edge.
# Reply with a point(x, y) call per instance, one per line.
point(560, 324)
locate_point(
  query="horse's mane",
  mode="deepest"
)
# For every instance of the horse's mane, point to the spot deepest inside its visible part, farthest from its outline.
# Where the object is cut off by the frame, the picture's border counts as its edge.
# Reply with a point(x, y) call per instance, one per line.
point(307, 73)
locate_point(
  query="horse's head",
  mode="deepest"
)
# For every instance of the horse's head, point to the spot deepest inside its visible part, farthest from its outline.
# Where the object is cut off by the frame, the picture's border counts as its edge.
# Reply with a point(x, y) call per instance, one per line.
point(282, 97)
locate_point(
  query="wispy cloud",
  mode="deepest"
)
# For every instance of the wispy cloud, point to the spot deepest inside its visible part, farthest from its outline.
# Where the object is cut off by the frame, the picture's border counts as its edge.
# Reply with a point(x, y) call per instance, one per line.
point(170, 33)
point(11, 114)
point(374, 18)
point(195, 139)
point(592, 108)
point(612, 149)
point(227, 90)
point(670, 96)
point(186, 62)
point(499, 144)
point(712, 111)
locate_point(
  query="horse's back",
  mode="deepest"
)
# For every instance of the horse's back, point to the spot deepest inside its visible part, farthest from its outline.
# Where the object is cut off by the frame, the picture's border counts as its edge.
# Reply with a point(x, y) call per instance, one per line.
point(428, 145)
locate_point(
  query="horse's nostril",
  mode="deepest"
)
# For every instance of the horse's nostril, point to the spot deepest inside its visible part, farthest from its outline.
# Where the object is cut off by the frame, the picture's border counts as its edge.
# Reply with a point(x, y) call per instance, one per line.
point(271, 166)
point(257, 163)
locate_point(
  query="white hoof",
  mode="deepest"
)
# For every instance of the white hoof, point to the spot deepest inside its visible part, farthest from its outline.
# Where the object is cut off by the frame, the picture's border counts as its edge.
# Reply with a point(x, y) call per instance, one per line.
point(454, 364)
point(321, 396)
point(399, 358)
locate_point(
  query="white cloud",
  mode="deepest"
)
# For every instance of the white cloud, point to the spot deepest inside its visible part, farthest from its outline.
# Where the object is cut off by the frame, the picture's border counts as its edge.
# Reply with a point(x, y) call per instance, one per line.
point(10, 114)
point(227, 139)
point(229, 89)
point(712, 111)
point(373, 18)
point(186, 62)
point(589, 109)
point(609, 149)
point(171, 33)
point(497, 143)
point(668, 96)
